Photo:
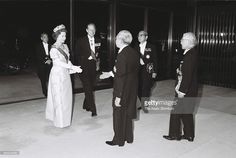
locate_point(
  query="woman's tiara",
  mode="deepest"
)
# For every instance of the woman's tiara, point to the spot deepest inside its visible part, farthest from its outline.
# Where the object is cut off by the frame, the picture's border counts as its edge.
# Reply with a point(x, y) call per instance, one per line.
point(60, 27)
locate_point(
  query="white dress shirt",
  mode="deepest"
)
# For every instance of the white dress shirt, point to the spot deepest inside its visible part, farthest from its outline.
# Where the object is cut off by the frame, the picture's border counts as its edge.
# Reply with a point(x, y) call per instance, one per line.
point(142, 47)
point(121, 48)
point(92, 43)
point(142, 50)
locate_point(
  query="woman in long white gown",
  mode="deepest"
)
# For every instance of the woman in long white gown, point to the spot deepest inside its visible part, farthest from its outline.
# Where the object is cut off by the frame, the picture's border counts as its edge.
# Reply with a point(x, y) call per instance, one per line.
point(59, 100)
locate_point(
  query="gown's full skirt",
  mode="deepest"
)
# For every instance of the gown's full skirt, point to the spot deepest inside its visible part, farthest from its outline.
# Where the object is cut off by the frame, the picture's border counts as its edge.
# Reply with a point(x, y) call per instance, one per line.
point(59, 101)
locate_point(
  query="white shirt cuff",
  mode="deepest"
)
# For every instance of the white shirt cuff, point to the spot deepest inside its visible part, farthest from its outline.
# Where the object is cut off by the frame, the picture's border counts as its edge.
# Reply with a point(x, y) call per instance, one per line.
point(181, 93)
point(111, 73)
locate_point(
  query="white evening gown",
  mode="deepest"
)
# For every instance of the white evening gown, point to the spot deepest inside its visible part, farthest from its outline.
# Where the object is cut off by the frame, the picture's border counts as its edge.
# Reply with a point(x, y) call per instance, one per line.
point(59, 100)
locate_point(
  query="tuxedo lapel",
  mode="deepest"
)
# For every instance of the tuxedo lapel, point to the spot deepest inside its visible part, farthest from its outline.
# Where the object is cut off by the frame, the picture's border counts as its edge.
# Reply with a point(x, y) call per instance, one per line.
point(91, 52)
point(147, 45)
point(87, 43)
point(145, 50)
point(49, 50)
point(139, 50)
point(140, 54)
point(44, 51)
point(42, 48)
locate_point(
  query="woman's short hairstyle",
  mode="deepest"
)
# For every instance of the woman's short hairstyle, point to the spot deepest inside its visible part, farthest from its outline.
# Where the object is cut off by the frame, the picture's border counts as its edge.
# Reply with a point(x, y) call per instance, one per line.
point(125, 36)
point(58, 30)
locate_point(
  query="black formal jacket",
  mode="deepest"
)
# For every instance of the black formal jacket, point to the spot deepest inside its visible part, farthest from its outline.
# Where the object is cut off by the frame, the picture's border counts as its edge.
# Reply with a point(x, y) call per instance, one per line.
point(83, 51)
point(189, 83)
point(149, 57)
point(126, 79)
point(41, 56)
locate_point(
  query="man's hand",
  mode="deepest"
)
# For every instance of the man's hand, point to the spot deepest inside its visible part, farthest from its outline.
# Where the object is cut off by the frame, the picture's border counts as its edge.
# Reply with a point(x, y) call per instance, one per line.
point(90, 57)
point(105, 75)
point(117, 102)
point(76, 69)
point(48, 62)
point(114, 68)
point(154, 75)
point(180, 95)
point(141, 61)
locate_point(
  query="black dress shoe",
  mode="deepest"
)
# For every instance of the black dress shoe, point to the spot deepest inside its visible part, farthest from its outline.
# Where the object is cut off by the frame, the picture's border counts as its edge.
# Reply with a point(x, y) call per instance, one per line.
point(172, 137)
point(190, 139)
point(110, 143)
point(139, 108)
point(130, 142)
point(113, 144)
point(86, 108)
point(94, 114)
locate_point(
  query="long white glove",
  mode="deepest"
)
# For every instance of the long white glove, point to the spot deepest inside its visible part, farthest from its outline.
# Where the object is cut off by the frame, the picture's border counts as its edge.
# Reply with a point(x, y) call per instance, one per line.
point(76, 69)
point(105, 75)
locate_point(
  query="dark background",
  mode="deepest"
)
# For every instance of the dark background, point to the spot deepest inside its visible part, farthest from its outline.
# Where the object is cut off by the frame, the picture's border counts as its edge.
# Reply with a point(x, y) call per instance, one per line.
point(22, 21)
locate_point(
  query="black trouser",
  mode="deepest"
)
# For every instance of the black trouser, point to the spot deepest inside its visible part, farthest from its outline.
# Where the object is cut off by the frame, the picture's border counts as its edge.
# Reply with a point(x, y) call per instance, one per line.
point(43, 74)
point(176, 121)
point(182, 118)
point(145, 84)
point(88, 78)
point(122, 126)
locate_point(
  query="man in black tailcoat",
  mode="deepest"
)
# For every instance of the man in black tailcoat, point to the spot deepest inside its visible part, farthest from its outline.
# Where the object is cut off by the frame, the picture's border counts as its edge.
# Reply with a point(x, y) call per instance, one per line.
point(44, 62)
point(87, 55)
point(148, 65)
point(125, 89)
point(181, 118)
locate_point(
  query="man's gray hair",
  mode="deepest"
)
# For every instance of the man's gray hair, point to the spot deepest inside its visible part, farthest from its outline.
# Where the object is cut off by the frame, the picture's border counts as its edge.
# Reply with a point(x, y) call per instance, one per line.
point(191, 37)
point(125, 36)
point(143, 32)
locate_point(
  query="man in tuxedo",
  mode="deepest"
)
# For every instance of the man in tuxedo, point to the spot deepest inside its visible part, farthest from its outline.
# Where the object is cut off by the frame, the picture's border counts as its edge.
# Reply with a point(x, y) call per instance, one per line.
point(181, 117)
point(148, 65)
point(125, 89)
point(87, 55)
point(44, 62)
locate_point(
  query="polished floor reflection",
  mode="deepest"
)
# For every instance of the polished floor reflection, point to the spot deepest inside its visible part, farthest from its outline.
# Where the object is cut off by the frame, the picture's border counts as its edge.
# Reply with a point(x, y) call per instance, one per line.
point(25, 130)
point(26, 86)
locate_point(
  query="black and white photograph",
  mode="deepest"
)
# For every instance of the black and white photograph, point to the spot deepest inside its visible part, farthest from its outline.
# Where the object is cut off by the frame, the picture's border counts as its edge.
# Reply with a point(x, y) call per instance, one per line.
point(117, 78)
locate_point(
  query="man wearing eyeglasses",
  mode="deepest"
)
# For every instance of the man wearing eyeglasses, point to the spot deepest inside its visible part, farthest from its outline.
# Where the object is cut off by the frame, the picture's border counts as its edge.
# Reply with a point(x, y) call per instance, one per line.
point(148, 64)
